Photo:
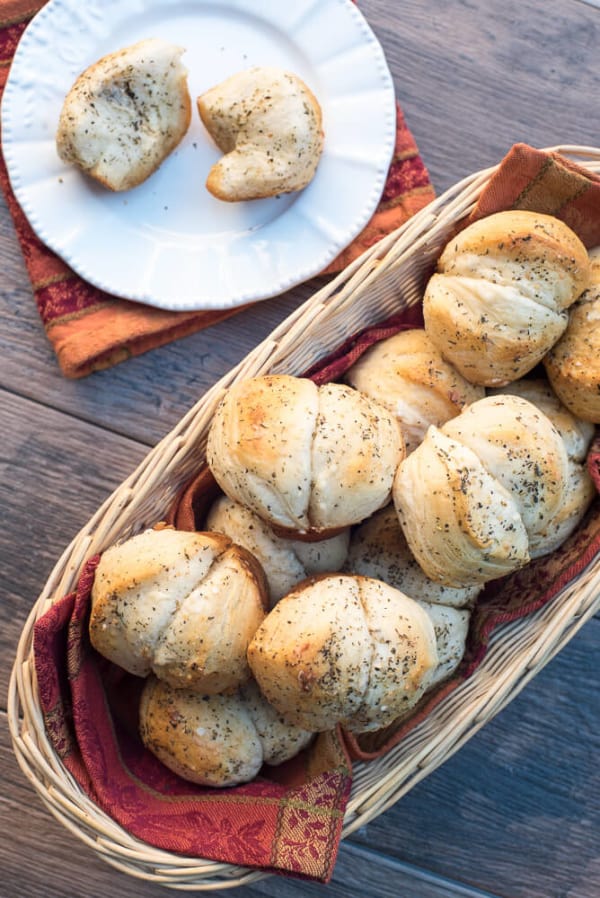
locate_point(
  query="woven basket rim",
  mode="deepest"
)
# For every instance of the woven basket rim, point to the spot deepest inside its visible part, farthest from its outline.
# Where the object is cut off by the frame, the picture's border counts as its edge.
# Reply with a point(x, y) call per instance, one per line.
point(378, 784)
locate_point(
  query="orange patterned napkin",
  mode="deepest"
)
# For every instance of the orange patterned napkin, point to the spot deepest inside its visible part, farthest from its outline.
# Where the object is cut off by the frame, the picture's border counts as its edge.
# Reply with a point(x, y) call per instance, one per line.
point(545, 182)
point(90, 329)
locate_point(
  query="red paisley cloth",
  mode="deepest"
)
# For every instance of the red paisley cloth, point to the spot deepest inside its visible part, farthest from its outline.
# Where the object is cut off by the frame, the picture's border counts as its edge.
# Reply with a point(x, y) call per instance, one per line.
point(91, 717)
point(90, 329)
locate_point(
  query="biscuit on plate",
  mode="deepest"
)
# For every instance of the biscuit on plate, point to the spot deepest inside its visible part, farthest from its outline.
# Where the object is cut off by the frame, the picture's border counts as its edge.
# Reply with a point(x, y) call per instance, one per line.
point(126, 113)
point(268, 124)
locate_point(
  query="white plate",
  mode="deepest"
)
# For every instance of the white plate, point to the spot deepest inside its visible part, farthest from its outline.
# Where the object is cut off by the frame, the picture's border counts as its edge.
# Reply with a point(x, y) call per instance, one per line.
point(168, 242)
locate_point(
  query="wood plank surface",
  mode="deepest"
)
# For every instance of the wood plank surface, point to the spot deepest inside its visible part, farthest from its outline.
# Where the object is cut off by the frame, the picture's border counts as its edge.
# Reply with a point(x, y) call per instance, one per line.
point(515, 813)
point(515, 810)
point(55, 472)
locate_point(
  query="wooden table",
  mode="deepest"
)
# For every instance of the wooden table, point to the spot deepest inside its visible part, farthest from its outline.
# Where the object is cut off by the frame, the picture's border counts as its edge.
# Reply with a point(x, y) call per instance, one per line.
point(516, 812)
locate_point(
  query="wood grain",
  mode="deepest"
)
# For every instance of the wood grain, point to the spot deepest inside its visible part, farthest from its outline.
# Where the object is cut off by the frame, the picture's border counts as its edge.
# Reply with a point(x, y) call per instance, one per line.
point(491, 74)
point(514, 810)
point(56, 471)
point(516, 813)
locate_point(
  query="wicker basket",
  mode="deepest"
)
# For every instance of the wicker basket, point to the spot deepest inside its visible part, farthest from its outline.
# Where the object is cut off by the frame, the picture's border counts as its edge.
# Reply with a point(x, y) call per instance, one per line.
point(366, 292)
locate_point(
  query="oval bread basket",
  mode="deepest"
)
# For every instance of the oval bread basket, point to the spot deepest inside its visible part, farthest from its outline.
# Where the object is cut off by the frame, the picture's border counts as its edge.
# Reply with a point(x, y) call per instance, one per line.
point(366, 292)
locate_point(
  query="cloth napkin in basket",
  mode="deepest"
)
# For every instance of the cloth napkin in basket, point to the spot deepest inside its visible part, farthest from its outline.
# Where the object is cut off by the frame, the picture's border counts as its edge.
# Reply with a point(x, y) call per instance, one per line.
point(89, 329)
point(289, 819)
